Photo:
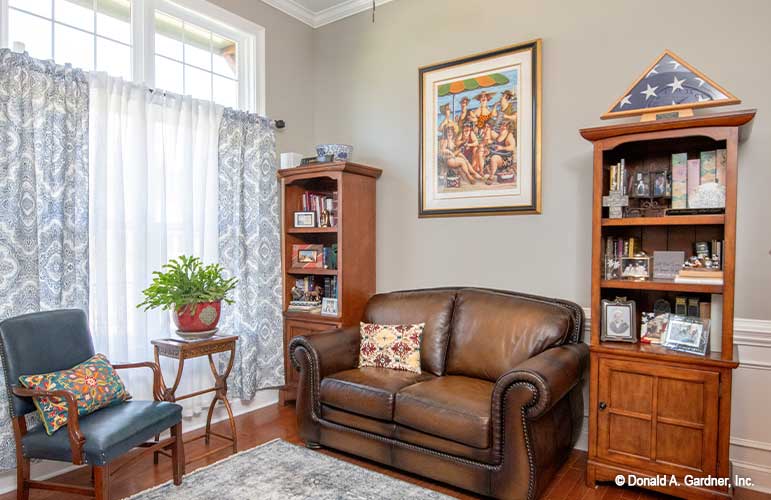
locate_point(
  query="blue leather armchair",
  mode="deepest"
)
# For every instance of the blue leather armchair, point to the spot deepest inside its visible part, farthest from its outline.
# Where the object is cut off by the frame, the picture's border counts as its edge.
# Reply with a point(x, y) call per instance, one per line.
point(58, 340)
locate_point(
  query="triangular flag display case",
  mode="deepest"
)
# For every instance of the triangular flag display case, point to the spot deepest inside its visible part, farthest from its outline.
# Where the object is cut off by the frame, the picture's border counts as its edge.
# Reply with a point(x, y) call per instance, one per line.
point(669, 85)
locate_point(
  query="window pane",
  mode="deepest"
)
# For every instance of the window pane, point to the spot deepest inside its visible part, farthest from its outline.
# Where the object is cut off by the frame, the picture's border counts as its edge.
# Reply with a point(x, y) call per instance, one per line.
point(168, 36)
point(224, 56)
point(198, 83)
point(113, 19)
point(197, 47)
point(226, 92)
point(74, 47)
point(34, 32)
point(39, 7)
point(168, 75)
point(114, 58)
point(74, 13)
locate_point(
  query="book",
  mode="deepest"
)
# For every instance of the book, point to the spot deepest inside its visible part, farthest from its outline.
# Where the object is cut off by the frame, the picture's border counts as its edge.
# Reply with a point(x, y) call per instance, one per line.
point(693, 307)
point(698, 281)
point(680, 180)
point(680, 306)
point(705, 310)
point(694, 173)
point(708, 167)
point(721, 165)
point(699, 273)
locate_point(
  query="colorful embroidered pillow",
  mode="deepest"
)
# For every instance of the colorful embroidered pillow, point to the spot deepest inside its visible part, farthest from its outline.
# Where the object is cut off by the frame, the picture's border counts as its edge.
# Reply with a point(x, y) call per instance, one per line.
point(94, 383)
point(391, 346)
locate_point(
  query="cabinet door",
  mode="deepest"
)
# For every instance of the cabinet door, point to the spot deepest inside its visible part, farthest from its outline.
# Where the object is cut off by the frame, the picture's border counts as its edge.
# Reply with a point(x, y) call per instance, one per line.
point(658, 417)
point(294, 329)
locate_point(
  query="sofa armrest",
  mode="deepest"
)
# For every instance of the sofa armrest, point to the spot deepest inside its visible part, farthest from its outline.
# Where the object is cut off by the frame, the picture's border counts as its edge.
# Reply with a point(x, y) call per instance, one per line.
point(550, 374)
point(331, 352)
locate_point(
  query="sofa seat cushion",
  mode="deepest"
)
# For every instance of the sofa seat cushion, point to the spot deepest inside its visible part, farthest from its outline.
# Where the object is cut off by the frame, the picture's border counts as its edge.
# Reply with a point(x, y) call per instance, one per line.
point(452, 407)
point(358, 422)
point(368, 391)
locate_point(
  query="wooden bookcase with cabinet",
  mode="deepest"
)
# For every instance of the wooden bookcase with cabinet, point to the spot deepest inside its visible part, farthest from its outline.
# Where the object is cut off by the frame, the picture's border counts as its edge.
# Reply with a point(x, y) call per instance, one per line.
point(654, 411)
point(354, 235)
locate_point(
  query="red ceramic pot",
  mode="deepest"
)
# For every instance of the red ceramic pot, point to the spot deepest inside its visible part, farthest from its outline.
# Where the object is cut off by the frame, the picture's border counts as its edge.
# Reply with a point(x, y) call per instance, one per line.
point(199, 317)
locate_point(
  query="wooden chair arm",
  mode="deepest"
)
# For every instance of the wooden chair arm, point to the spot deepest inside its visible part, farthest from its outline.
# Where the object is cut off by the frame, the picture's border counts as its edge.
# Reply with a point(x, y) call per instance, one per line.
point(159, 392)
point(77, 439)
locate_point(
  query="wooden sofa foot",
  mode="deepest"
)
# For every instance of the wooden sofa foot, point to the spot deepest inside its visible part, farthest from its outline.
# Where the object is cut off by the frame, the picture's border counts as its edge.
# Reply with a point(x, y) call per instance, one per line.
point(312, 445)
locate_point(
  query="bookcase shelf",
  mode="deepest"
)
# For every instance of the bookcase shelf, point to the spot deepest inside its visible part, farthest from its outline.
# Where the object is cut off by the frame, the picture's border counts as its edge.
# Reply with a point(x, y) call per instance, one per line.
point(653, 410)
point(656, 352)
point(311, 230)
point(670, 220)
point(354, 235)
point(661, 285)
point(312, 271)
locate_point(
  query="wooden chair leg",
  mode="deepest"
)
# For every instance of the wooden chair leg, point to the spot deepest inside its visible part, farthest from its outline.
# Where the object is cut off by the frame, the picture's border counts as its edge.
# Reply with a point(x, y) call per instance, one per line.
point(177, 454)
point(102, 482)
point(22, 476)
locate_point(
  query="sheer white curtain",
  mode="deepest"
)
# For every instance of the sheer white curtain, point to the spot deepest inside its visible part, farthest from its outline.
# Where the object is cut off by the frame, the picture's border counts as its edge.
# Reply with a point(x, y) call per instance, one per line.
point(153, 196)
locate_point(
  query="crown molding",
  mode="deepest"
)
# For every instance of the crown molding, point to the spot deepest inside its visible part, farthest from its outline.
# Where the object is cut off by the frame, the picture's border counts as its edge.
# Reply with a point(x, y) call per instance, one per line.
point(293, 9)
point(317, 19)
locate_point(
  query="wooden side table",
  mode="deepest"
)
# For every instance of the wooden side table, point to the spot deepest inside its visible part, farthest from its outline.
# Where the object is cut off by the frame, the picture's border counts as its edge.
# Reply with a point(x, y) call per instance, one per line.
point(182, 349)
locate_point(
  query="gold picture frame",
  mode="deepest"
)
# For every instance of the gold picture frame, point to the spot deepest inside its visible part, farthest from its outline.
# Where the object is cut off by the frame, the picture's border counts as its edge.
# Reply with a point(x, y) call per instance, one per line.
point(480, 134)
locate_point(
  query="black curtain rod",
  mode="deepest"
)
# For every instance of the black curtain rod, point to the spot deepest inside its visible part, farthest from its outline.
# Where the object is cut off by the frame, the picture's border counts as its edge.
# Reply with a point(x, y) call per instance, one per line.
point(279, 124)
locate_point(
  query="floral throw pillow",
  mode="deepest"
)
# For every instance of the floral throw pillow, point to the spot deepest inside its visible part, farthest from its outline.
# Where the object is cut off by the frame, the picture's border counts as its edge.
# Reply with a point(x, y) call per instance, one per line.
point(94, 383)
point(391, 346)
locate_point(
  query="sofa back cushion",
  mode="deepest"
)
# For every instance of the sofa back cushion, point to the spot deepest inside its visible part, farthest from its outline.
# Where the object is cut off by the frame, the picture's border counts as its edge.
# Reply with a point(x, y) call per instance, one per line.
point(432, 307)
point(493, 332)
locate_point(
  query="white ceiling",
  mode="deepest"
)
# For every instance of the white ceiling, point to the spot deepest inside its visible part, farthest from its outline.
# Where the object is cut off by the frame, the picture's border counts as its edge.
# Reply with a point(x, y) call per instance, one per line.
point(317, 13)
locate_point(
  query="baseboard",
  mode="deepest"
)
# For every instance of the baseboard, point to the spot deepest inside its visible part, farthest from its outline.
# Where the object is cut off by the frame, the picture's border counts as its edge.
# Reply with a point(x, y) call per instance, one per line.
point(46, 469)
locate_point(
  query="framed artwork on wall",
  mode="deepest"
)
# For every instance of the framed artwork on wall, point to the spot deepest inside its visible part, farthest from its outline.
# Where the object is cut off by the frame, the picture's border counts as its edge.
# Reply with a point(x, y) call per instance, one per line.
point(480, 134)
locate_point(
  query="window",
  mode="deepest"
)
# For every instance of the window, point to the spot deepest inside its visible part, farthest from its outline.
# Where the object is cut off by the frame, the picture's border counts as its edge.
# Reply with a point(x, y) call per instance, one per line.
point(184, 46)
point(89, 34)
point(193, 60)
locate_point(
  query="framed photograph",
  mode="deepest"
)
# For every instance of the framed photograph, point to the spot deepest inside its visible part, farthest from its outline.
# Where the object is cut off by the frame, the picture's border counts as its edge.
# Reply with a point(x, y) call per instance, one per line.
point(653, 328)
point(305, 219)
point(661, 186)
point(480, 134)
point(618, 320)
point(640, 185)
point(329, 307)
point(635, 268)
point(308, 256)
point(687, 334)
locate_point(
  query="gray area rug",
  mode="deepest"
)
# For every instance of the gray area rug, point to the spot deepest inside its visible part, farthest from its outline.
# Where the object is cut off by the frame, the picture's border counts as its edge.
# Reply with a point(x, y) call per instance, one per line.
point(280, 470)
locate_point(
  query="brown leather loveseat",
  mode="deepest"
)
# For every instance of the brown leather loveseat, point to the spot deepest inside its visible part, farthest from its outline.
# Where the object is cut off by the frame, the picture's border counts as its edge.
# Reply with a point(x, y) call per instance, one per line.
point(498, 405)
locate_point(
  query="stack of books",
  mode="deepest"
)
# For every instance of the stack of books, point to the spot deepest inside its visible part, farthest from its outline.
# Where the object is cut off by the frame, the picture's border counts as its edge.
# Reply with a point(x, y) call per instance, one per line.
point(319, 202)
point(700, 276)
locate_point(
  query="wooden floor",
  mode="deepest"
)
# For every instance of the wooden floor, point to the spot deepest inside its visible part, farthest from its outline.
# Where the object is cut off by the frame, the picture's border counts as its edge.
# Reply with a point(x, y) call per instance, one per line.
point(279, 422)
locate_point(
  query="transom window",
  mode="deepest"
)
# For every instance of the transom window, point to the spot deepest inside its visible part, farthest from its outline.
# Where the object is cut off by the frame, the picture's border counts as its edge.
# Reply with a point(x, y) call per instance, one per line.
point(183, 46)
point(89, 34)
point(193, 60)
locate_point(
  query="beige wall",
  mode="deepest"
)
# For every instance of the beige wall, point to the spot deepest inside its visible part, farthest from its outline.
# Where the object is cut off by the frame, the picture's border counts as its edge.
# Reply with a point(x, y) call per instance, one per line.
point(366, 94)
point(289, 60)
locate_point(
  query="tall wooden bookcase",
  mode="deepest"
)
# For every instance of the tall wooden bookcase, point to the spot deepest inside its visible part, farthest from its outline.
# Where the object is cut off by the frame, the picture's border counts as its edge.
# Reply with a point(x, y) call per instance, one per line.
point(354, 234)
point(653, 411)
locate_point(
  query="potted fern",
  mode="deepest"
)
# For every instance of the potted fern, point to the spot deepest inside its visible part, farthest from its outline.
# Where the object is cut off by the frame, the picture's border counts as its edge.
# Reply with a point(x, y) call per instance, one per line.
point(192, 291)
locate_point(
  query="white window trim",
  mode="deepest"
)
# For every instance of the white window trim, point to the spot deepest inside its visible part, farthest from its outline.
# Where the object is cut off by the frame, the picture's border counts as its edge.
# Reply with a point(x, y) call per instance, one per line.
point(249, 36)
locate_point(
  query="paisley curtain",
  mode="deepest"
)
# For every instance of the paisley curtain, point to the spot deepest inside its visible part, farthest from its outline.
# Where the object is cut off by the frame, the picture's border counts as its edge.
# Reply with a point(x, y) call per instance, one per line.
point(43, 195)
point(250, 248)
